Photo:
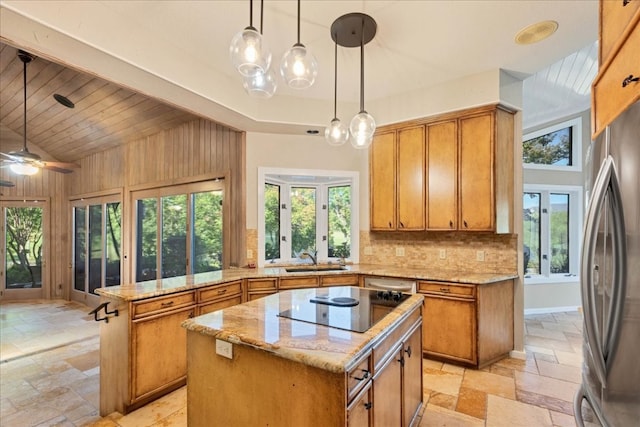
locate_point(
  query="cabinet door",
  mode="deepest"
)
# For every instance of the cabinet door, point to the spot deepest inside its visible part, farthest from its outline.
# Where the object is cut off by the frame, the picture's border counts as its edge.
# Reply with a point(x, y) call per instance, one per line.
point(387, 393)
point(476, 173)
point(383, 182)
point(411, 157)
point(449, 328)
point(412, 376)
point(159, 346)
point(442, 176)
point(219, 304)
point(359, 411)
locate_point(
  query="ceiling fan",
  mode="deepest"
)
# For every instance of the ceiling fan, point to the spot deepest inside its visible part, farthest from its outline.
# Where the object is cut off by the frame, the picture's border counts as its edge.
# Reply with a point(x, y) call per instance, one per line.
point(24, 162)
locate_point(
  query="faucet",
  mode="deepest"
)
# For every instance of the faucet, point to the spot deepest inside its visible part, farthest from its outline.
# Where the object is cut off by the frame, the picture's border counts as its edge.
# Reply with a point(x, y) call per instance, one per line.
point(305, 254)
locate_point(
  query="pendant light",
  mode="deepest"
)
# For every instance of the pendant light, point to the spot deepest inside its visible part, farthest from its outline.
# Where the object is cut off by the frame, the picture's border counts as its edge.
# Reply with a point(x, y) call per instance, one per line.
point(299, 67)
point(363, 125)
point(261, 84)
point(337, 133)
point(249, 53)
point(24, 168)
point(357, 29)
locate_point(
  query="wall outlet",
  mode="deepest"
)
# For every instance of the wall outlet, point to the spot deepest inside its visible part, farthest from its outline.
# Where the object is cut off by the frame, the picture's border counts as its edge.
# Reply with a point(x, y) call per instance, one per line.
point(479, 255)
point(368, 250)
point(443, 253)
point(399, 251)
point(249, 253)
point(224, 349)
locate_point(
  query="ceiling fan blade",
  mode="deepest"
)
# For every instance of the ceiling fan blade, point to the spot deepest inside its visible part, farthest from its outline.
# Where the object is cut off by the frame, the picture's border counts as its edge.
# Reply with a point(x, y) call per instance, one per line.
point(4, 183)
point(59, 166)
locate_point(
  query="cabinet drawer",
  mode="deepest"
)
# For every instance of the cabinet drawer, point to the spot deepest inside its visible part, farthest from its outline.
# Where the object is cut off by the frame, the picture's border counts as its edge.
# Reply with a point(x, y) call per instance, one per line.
point(358, 376)
point(609, 97)
point(615, 15)
point(339, 279)
point(160, 304)
point(381, 349)
point(256, 295)
point(220, 304)
point(216, 292)
point(262, 284)
point(444, 288)
point(298, 282)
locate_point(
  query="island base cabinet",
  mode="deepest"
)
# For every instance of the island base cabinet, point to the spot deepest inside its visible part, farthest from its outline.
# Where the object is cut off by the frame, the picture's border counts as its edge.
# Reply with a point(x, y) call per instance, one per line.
point(387, 393)
point(359, 411)
point(256, 388)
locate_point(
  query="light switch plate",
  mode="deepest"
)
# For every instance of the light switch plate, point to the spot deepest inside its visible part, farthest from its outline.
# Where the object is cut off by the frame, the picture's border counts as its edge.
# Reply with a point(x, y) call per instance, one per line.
point(224, 349)
point(443, 253)
point(399, 251)
point(249, 253)
point(479, 255)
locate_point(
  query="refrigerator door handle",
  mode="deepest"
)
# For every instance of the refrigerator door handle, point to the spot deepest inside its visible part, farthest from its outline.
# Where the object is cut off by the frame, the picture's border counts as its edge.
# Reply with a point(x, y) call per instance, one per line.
point(588, 249)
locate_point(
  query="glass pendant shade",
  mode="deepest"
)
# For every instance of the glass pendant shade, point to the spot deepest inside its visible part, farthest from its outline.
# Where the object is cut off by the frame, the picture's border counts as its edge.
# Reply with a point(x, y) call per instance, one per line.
point(23, 169)
point(261, 85)
point(336, 133)
point(362, 128)
point(249, 53)
point(299, 67)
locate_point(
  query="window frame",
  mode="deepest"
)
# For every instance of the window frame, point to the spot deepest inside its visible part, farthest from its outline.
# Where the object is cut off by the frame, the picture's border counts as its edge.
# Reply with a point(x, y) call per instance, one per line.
point(576, 145)
point(341, 178)
point(575, 193)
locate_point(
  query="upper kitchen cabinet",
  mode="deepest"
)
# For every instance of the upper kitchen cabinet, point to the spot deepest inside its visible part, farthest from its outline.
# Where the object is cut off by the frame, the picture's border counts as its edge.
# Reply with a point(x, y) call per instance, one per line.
point(397, 185)
point(617, 84)
point(467, 159)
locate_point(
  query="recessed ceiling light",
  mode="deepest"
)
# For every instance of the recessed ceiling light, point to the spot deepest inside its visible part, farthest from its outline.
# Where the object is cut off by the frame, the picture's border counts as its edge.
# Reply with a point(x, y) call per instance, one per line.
point(313, 131)
point(536, 32)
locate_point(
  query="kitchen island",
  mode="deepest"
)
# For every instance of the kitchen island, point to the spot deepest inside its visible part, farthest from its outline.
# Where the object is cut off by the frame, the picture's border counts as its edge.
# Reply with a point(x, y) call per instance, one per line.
point(255, 364)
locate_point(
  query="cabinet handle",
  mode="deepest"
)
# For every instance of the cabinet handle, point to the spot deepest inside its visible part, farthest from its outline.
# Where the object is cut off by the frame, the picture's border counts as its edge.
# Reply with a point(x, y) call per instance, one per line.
point(401, 360)
point(222, 291)
point(167, 304)
point(626, 82)
point(408, 351)
point(465, 224)
point(191, 315)
point(445, 290)
point(625, 2)
point(368, 405)
point(390, 224)
point(450, 224)
point(401, 224)
point(365, 375)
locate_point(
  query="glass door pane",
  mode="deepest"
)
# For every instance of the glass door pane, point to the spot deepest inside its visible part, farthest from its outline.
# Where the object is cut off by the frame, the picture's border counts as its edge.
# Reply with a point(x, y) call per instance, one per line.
point(339, 221)
point(303, 220)
point(113, 243)
point(207, 231)
point(24, 240)
point(559, 217)
point(147, 238)
point(174, 235)
point(272, 222)
point(531, 228)
point(95, 247)
point(79, 248)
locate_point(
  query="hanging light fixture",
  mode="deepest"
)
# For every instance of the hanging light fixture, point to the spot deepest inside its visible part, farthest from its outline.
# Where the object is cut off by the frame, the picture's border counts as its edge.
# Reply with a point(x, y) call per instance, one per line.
point(261, 84)
point(337, 133)
point(357, 29)
point(249, 53)
point(299, 67)
point(24, 167)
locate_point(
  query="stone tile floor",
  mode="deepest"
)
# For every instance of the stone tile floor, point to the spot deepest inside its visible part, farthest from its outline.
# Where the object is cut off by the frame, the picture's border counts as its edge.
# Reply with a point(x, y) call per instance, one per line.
point(49, 376)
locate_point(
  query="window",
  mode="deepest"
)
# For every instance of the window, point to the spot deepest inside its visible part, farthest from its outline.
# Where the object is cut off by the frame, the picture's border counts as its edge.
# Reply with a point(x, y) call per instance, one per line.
point(299, 212)
point(552, 218)
point(179, 230)
point(554, 148)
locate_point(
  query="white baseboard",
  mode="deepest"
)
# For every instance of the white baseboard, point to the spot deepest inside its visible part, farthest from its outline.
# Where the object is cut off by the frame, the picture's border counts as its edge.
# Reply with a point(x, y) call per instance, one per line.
point(547, 310)
point(516, 354)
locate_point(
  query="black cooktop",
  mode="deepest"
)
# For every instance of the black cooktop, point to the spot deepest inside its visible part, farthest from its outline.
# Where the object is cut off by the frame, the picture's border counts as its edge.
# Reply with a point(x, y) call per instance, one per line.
point(344, 307)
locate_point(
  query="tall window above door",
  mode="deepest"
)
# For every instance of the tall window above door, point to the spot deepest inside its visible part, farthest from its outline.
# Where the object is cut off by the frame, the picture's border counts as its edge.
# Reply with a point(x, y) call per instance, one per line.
point(307, 211)
point(557, 147)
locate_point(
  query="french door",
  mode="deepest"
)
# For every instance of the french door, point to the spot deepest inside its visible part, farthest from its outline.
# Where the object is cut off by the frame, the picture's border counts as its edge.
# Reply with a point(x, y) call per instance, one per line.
point(97, 246)
point(24, 249)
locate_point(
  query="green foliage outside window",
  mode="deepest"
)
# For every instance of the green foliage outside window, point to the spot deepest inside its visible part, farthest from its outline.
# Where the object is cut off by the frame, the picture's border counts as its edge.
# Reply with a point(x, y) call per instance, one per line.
point(24, 240)
point(551, 149)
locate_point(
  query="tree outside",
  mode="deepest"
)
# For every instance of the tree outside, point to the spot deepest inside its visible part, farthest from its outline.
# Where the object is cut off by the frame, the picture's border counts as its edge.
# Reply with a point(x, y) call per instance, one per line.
point(551, 149)
point(24, 241)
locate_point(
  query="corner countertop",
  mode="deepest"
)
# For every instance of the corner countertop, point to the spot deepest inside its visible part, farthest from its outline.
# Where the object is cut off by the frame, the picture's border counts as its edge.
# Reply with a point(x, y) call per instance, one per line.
point(153, 288)
point(257, 324)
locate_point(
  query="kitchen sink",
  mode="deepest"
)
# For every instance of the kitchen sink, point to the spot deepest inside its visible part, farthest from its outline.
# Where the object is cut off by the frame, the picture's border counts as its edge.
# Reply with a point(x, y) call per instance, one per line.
point(301, 269)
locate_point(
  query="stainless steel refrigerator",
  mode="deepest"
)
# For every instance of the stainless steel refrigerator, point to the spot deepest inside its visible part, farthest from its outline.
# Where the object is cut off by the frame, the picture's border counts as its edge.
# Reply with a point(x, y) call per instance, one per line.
point(610, 276)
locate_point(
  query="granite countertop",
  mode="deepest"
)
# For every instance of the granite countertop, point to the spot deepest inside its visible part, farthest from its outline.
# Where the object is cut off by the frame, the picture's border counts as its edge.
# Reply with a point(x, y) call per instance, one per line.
point(257, 324)
point(153, 288)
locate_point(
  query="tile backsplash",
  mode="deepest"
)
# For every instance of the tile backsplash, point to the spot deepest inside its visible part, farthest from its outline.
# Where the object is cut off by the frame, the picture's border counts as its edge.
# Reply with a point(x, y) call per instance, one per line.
point(461, 250)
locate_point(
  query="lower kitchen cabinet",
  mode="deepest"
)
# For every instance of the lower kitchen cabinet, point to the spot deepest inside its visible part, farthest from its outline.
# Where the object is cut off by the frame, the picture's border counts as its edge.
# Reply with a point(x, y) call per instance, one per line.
point(217, 297)
point(359, 411)
point(258, 288)
point(466, 323)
